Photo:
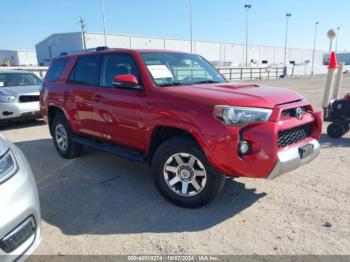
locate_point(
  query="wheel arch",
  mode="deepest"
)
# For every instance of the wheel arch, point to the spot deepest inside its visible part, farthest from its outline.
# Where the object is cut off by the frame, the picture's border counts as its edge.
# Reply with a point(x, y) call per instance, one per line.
point(165, 131)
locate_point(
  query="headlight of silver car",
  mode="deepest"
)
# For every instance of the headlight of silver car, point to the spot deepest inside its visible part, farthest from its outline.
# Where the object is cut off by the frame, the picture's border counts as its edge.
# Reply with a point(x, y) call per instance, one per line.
point(7, 99)
point(7, 166)
point(240, 116)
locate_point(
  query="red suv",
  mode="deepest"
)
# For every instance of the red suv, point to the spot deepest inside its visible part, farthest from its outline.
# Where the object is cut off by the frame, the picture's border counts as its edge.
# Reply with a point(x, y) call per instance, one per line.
point(175, 111)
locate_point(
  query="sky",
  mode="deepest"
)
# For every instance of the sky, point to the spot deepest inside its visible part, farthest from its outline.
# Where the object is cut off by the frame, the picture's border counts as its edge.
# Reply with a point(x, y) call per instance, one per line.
point(23, 23)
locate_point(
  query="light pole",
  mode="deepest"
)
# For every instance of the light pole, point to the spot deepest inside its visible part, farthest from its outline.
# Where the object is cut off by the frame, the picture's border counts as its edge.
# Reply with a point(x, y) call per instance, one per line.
point(104, 20)
point(288, 15)
point(336, 40)
point(331, 35)
point(313, 52)
point(191, 27)
point(246, 7)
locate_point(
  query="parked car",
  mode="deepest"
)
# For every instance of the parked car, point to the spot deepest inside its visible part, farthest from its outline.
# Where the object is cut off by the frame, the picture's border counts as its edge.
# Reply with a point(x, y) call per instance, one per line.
point(177, 112)
point(20, 230)
point(19, 95)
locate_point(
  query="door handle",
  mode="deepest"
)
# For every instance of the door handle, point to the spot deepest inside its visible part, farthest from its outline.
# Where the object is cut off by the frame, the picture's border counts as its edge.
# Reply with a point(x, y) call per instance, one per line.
point(97, 98)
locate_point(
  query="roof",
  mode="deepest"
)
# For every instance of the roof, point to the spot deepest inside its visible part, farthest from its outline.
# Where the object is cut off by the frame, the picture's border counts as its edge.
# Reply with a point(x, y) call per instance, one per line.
point(126, 50)
point(13, 71)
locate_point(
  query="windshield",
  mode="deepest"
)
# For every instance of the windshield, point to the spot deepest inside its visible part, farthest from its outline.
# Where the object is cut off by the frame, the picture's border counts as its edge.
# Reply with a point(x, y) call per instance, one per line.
point(169, 69)
point(19, 79)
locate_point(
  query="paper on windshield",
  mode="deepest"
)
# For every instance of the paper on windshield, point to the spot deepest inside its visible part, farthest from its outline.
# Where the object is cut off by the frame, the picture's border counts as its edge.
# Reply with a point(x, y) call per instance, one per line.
point(160, 71)
point(2, 84)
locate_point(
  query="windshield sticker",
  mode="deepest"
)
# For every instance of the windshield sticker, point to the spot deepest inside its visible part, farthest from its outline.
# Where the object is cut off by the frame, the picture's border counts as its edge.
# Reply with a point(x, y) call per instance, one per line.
point(160, 71)
point(2, 84)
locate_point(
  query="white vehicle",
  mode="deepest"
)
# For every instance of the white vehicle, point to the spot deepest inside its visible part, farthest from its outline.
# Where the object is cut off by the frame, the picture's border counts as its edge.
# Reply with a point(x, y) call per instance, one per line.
point(19, 95)
point(20, 227)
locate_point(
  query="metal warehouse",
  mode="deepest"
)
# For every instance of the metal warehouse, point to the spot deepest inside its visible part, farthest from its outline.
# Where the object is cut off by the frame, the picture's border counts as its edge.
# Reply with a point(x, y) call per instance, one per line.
point(216, 52)
point(18, 57)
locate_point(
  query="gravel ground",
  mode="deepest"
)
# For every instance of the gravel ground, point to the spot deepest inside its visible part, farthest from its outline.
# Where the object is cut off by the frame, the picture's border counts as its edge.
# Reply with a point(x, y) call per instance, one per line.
point(101, 204)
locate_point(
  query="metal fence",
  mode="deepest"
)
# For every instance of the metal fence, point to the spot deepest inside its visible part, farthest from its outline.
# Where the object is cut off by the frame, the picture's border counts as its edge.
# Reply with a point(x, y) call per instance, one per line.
point(246, 73)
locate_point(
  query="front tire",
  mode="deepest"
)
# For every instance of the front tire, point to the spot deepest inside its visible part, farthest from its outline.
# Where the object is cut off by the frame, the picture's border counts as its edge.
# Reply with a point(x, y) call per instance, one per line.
point(336, 130)
point(63, 138)
point(183, 175)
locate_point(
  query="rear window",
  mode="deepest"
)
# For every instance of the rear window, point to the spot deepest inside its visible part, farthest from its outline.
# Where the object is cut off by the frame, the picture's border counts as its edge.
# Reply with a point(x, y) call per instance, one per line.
point(85, 71)
point(56, 69)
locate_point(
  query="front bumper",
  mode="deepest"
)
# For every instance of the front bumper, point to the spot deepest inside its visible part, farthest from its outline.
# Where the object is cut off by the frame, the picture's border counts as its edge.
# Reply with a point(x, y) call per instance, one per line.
point(19, 110)
point(19, 203)
point(291, 159)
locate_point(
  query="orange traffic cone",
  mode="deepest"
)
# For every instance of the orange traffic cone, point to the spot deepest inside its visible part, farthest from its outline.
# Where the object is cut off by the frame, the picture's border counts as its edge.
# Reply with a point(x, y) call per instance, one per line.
point(333, 61)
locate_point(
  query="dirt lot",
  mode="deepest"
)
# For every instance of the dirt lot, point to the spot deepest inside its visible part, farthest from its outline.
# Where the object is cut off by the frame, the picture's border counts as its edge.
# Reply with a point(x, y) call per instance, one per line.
point(101, 204)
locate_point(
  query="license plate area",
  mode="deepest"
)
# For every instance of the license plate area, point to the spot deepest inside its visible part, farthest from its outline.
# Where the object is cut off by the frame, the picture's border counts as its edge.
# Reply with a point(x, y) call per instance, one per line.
point(306, 150)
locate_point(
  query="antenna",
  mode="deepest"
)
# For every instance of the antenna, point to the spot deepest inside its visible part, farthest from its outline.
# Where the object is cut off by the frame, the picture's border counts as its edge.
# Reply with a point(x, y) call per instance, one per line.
point(82, 24)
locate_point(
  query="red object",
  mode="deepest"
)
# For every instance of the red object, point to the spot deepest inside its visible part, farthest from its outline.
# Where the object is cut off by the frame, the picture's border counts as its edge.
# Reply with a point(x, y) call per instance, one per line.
point(333, 61)
point(130, 80)
point(132, 118)
point(347, 96)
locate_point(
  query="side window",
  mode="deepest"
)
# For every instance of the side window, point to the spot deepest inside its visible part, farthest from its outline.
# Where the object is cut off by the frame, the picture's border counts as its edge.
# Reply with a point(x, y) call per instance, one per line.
point(85, 70)
point(117, 64)
point(56, 69)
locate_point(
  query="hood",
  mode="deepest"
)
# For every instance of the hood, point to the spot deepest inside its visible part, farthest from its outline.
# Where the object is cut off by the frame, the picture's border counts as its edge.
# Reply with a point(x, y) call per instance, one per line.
point(20, 90)
point(249, 95)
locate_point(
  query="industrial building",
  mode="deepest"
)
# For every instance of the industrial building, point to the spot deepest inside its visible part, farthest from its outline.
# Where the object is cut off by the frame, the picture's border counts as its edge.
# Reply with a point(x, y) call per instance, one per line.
point(19, 57)
point(224, 54)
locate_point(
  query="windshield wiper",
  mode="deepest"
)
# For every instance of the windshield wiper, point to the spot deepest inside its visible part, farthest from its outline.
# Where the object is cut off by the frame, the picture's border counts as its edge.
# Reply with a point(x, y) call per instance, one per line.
point(206, 82)
point(171, 84)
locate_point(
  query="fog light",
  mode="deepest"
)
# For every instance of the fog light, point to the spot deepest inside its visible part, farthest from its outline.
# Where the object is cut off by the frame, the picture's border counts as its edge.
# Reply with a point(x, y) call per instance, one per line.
point(243, 147)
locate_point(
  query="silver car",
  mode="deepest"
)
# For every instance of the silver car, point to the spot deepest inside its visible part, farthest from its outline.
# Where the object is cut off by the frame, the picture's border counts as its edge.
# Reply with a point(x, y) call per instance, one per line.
point(20, 229)
point(19, 95)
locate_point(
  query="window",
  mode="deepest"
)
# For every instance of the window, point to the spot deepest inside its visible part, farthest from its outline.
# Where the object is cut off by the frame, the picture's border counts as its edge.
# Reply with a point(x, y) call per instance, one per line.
point(19, 79)
point(117, 64)
point(169, 69)
point(85, 70)
point(56, 69)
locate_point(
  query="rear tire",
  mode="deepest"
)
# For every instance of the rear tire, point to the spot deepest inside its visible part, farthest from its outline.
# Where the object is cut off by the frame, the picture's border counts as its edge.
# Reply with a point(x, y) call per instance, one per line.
point(63, 138)
point(183, 175)
point(336, 130)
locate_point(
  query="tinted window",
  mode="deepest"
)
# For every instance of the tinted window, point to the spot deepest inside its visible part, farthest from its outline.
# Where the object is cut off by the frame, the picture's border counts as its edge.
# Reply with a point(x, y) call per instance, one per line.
point(117, 64)
point(18, 79)
point(85, 70)
point(56, 69)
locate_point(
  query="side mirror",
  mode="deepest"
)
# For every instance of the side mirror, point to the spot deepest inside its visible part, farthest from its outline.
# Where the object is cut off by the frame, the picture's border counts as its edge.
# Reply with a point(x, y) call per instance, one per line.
point(126, 81)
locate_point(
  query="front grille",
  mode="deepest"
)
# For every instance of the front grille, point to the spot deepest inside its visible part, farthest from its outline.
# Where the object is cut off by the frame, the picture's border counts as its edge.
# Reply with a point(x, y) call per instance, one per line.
point(27, 99)
point(292, 112)
point(294, 135)
point(18, 236)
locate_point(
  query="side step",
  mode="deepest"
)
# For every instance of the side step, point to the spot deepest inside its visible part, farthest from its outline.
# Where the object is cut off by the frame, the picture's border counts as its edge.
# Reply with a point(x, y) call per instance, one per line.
point(113, 149)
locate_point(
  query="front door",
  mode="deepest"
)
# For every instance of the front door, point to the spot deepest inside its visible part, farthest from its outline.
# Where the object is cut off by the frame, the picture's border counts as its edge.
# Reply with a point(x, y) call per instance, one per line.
point(119, 112)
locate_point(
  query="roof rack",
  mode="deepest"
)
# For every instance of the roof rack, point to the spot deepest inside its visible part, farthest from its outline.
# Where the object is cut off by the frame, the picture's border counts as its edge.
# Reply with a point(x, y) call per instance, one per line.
point(101, 48)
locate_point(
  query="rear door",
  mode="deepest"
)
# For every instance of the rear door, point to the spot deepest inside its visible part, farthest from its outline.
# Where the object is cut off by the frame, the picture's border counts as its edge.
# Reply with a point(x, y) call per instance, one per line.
point(82, 88)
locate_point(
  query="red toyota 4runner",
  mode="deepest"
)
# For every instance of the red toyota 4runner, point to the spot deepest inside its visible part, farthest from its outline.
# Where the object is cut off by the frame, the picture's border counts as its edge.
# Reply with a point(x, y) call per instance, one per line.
point(175, 111)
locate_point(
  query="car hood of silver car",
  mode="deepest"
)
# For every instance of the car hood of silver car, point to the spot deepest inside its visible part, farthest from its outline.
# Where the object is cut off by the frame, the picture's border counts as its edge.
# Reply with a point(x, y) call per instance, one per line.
point(20, 90)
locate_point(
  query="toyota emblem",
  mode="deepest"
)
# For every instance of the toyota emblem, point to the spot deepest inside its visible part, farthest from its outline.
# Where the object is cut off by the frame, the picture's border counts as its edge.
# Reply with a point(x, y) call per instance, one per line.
point(299, 113)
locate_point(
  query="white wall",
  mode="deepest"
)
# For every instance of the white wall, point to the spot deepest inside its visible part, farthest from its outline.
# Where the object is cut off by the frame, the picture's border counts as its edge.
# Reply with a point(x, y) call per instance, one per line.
point(18, 57)
point(58, 43)
point(213, 51)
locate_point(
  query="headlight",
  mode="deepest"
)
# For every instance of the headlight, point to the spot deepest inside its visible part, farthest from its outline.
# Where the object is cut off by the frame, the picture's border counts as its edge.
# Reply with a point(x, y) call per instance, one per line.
point(240, 116)
point(7, 166)
point(7, 99)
